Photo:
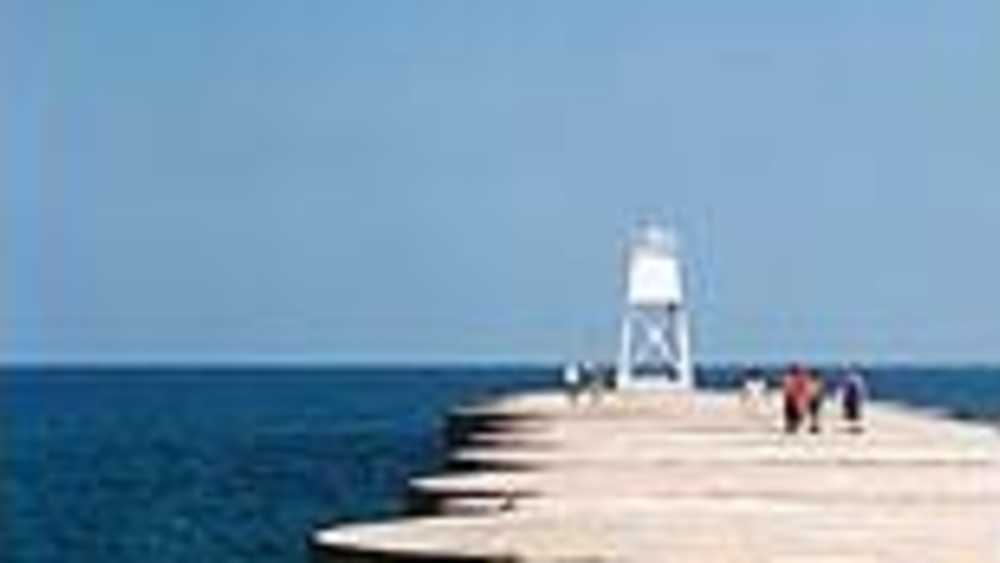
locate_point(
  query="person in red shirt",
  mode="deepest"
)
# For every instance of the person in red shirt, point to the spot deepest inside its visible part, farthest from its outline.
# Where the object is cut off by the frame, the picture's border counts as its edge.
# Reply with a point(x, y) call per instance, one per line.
point(817, 393)
point(796, 390)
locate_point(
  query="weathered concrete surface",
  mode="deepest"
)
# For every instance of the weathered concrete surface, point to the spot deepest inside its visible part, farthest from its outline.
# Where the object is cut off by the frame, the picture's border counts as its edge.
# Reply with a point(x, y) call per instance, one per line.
point(699, 478)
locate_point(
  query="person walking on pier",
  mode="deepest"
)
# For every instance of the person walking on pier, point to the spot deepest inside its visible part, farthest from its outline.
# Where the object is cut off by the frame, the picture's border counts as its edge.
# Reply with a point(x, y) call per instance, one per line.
point(571, 381)
point(753, 394)
point(596, 382)
point(795, 387)
point(852, 395)
point(816, 391)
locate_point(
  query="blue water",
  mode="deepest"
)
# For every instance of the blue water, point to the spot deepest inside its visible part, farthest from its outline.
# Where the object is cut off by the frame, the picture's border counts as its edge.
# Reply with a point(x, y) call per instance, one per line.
point(238, 464)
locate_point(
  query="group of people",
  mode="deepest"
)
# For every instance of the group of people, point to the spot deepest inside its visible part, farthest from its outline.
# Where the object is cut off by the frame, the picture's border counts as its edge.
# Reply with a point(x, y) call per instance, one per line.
point(803, 389)
point(585, 377)
point(804, 393)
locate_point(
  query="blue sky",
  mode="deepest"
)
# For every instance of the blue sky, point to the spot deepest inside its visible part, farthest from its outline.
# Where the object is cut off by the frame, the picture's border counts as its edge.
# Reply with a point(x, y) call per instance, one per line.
point(344, 181)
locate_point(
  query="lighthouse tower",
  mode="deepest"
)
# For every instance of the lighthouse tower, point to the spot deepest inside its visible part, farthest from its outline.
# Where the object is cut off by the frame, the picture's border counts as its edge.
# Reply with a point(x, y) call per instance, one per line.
point(655, 341)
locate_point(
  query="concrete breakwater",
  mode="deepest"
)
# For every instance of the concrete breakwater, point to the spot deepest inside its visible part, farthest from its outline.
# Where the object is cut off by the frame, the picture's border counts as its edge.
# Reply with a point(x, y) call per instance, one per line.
point(699, 477)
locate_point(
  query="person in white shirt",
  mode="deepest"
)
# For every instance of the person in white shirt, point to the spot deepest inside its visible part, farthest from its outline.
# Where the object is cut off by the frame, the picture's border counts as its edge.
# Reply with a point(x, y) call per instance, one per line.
point(754, 392)
point(571, 381)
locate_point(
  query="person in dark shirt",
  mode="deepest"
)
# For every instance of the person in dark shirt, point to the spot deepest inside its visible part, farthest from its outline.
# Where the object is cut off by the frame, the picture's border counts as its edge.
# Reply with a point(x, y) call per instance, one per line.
point(816, 393)
point(853, 395)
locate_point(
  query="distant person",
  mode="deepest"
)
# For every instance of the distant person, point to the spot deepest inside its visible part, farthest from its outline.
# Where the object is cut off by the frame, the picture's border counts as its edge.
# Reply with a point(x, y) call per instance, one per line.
point(788, 404)
point(595, 383)
point(795, 391)
point(853, 394)
point(571, 382)
point(754, 391)
point(816, 392)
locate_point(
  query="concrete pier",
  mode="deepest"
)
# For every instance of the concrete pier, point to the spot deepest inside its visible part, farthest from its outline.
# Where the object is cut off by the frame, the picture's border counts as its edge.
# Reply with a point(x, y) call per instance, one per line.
point(692, 477)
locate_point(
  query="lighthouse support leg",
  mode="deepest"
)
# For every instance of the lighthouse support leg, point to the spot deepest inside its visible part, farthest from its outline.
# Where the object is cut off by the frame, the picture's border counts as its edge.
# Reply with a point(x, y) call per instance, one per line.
point(623, 375)
point(658, 339)
point(685, 369)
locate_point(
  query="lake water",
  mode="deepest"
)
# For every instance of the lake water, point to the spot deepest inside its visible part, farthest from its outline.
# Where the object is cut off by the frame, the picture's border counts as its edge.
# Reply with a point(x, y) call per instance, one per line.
point(240, 463)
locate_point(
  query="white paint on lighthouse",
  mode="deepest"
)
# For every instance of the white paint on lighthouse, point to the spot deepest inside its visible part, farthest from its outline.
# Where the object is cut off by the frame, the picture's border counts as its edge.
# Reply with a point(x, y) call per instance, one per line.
point(655, 341)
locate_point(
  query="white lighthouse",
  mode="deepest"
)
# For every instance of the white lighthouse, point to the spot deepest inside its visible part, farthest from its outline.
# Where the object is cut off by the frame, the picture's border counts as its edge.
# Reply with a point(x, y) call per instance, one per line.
point(655, 340)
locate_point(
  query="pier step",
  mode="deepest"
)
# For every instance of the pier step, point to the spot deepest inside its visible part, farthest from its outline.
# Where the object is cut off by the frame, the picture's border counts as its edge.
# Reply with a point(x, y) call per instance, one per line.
point(698, 478)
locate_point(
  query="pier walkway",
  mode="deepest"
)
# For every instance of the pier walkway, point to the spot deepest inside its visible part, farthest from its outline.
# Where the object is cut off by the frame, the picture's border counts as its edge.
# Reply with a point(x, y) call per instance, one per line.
point(692, 477)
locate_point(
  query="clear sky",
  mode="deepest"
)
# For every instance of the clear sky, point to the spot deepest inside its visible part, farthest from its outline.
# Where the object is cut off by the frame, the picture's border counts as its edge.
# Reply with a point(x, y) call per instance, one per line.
point(344, 181)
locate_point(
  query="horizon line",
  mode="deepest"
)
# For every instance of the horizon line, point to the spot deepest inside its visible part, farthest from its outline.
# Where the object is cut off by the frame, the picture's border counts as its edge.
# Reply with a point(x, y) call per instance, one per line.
point(457, 362)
